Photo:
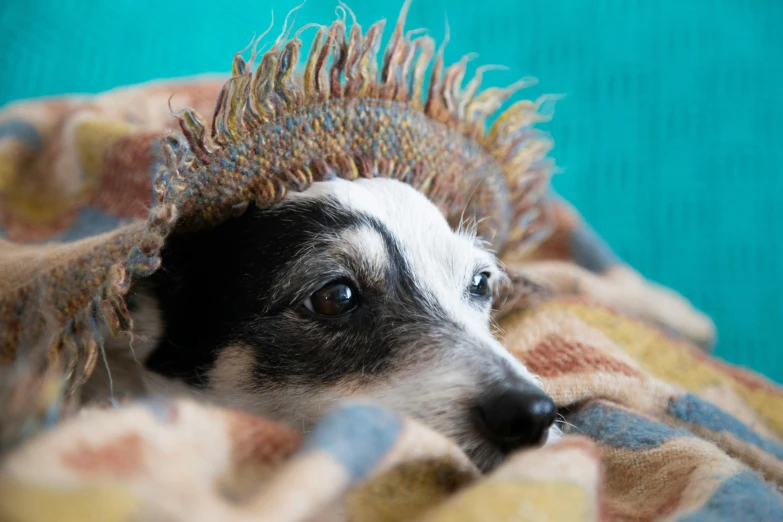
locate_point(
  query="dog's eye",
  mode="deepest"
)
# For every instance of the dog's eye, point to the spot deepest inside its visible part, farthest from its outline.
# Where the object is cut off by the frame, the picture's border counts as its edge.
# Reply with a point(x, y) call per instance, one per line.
point(332, 300)
point(479, 286)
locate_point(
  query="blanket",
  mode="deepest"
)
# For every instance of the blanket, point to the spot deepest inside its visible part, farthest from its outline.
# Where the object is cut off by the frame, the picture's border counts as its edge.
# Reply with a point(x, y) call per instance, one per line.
point(92, 187)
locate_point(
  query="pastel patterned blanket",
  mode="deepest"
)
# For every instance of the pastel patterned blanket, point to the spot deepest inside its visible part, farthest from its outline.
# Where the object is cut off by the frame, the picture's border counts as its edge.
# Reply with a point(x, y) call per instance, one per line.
point(91, 187)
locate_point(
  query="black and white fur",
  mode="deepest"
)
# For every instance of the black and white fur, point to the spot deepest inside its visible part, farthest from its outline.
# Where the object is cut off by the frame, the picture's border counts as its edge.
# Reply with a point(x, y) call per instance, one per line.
point(226, 316)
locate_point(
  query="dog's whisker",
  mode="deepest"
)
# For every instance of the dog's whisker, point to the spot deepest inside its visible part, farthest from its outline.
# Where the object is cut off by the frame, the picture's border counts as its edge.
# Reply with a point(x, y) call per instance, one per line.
point(560, 419)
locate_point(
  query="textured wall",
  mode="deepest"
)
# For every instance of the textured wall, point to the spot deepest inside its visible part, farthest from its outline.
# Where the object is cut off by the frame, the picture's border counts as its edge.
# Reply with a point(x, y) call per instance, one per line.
point(669, 138)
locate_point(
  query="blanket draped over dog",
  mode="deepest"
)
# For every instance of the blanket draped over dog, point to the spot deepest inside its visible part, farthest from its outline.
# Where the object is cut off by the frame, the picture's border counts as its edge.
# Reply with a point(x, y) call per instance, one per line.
point(91, 187)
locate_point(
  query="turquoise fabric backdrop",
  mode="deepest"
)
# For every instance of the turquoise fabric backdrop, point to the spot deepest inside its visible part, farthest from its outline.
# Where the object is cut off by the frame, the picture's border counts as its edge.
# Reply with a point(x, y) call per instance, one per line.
point(669, 137)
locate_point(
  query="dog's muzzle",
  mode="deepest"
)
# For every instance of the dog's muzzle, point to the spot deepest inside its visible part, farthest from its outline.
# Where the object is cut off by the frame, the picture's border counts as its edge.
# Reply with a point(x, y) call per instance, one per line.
point(515, 417)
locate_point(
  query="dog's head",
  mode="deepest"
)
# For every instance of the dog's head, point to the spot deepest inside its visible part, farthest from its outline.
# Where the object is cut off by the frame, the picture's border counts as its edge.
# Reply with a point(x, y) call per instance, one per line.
point(350, 289)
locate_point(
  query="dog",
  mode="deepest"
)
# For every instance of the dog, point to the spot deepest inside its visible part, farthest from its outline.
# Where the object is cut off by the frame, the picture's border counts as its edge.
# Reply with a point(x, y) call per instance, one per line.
point(350, 289)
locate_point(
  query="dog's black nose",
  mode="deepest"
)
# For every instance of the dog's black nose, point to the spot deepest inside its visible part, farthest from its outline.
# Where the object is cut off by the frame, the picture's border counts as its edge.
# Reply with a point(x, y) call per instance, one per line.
point(516, 417)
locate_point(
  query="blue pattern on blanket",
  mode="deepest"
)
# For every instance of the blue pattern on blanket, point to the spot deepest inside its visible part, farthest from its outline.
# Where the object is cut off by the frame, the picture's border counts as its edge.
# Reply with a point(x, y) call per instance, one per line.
point(356, 435)
point(690, 408)
point(744, 496)
point(621, 429)
point(21, 130)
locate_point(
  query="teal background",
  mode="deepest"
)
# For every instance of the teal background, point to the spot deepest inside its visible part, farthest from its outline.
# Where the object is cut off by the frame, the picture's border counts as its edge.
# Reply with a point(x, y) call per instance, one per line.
point(669, 137)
